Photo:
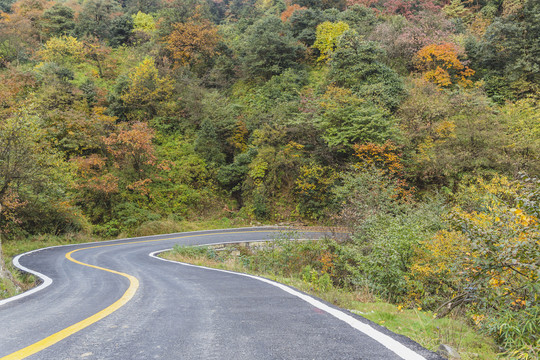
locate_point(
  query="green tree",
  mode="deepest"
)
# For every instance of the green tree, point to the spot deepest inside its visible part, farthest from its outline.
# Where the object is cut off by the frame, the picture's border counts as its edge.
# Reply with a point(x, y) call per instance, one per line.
point(521, 121)
point(269, 48)
point(347, 119)
point(313, 189)
point(121, 30)
point(508, 56)
point(96, 17)
point(303, 24)
point(5, 5)
point(31, 172)
point(57, 21)
point(452, 135)
point(179, 11)
point(356, 64)
point(361, 19)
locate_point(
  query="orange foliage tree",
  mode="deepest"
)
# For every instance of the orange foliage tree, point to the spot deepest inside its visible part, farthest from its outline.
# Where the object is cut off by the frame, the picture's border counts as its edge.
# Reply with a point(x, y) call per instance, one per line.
point(290, 10)
point(385, 156)
point(14, 85)
point(192, 42)
point(441, 65)
point(387, 159)
point(20, 29)
point(92, 175)
point(132, 147)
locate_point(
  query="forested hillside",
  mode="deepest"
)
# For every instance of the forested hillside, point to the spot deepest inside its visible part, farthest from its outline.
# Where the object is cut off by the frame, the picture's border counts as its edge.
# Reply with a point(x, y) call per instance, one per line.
point(414, 123)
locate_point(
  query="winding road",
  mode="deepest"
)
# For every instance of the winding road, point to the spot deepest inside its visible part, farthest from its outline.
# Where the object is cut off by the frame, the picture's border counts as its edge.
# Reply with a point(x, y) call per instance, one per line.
point(117, 301)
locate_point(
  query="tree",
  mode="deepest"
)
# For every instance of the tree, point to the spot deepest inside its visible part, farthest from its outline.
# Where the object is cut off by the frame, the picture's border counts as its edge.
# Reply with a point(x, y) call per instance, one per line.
point(21, 145)
point(5, 5)
point(20, 33)
point(361, 19)
point(57, 21)
point(61, 50)
point(500, 270)
point(402, 38)
point(95, 186)
point(14, 87)
point(146, 6)
point(193, 42)
point(303, 24)
point(322, 4)
point(75, 130)
point(407, 8)
point(521, 121)
point(441, 65)
point(180, 11)
point(132, 150)
point(313, 189)
point(356, 64)
point(269, 48)
point(145, 90)
point(31, 172)
point(121, 30)
point(96, 18)
point(291, 9)
point(143, 22)
point(347, 119)
point(326, 38)
point(97, 52)
point(451, 135)
point(508, 54)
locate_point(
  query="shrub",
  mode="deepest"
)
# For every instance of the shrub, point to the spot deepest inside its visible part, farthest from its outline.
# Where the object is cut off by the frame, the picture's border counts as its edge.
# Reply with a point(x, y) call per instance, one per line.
point(313, 189)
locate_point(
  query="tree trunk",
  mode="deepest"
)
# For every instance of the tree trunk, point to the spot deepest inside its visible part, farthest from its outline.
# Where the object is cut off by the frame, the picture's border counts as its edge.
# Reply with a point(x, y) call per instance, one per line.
point(4, 273)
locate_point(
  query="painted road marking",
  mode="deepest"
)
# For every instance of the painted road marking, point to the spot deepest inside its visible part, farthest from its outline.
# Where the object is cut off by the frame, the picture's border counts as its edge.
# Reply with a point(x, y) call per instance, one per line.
point(130, 292)
point(385, 340)
point(48, 281)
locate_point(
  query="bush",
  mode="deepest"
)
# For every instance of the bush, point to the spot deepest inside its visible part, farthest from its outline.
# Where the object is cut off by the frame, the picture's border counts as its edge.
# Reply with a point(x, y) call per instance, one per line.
point(388, 243)
point(313, 189)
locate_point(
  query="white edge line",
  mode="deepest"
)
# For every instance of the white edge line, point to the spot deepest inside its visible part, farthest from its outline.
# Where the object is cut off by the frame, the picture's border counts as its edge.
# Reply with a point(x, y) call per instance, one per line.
point(391, 344)
point(48, 281)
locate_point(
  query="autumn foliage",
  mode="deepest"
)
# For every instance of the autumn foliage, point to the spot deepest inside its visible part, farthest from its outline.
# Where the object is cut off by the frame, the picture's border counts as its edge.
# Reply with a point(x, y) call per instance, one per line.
point(327, 37)
point(441, 65)
point(387, 159)
point(119, 114)
point(193, 42)
point(290, 10)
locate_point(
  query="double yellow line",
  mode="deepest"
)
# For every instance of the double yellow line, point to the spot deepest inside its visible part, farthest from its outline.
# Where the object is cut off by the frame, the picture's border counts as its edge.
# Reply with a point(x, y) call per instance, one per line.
point(128, 295)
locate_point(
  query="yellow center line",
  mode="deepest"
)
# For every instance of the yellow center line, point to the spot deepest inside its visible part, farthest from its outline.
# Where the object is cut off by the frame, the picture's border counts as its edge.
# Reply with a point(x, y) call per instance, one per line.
point(128, 295)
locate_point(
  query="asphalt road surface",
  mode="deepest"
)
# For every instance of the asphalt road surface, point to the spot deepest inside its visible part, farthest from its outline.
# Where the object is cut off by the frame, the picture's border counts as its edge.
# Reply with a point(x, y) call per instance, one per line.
point(116, 301)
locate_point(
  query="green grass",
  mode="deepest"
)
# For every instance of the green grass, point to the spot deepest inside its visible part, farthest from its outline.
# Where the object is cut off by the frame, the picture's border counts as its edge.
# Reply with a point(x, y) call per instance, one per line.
point(428, 331)
point(421, 326)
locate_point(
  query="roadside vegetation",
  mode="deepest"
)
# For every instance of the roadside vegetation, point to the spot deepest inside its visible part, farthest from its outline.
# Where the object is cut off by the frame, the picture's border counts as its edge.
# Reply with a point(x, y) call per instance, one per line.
point(311, 267)
point(414, 124)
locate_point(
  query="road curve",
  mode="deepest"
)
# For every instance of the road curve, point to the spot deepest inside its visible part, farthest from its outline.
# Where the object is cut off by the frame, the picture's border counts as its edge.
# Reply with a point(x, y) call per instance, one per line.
point(112, 300)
